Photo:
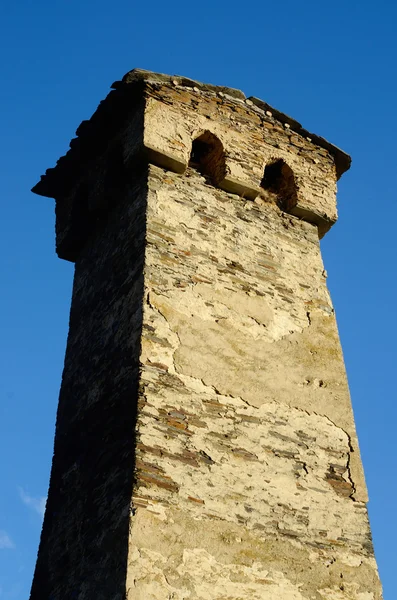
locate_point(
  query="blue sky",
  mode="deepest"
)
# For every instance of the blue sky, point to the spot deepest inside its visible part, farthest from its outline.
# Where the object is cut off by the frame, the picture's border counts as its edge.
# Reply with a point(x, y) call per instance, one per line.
point(332, 66)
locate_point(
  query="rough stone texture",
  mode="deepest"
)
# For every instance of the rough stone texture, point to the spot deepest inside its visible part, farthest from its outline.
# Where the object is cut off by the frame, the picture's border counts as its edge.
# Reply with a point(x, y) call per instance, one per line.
point(83, 548)
point(205, 444)
point(250, 143)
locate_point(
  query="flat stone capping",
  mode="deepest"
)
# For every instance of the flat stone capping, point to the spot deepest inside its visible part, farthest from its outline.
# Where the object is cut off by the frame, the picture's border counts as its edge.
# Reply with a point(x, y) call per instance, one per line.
point(95, 134)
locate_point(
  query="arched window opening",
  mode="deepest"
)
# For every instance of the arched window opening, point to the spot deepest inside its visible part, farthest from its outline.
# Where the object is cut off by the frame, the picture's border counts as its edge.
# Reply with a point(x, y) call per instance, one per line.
point(208, 157)
point(279, 181)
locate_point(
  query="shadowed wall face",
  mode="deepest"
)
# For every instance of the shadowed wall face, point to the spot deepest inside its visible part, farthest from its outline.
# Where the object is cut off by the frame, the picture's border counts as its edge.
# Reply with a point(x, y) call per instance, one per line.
point(205, 443)
point(83, 550)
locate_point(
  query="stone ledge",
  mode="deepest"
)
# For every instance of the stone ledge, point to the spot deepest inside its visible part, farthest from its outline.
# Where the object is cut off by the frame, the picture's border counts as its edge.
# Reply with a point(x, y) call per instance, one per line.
point(94, 135)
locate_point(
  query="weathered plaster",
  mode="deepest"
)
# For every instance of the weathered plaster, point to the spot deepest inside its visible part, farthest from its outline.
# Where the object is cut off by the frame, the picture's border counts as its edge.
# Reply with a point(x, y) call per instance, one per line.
point(178, 560)
point(245, 417)
point(250, 143)
point(205, 444)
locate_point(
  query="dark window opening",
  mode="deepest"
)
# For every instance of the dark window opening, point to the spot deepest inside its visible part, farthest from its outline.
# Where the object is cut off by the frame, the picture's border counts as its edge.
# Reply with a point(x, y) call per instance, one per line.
point(279, 181)
point(208, 157)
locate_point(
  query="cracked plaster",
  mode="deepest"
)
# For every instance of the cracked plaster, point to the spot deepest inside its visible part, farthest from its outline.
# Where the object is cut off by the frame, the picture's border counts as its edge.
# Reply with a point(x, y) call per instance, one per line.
point(245, 417)
point(244, 478)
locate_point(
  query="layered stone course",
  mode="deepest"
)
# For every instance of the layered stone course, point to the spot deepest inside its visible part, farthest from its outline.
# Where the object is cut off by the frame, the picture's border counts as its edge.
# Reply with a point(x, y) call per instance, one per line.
point(225, 437)
point(83, 549)
point(155, 118)
point(250, 139)
point(205, 444)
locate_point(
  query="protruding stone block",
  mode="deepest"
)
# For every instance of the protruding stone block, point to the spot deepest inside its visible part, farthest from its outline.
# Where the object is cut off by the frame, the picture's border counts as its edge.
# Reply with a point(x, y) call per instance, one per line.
point(156, 119)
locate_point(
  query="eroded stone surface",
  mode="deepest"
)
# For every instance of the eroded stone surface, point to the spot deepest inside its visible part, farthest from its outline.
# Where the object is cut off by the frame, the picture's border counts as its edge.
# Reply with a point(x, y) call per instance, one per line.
point(250, 142)
point(245, 418)
point(177, 559)
point(205, 444)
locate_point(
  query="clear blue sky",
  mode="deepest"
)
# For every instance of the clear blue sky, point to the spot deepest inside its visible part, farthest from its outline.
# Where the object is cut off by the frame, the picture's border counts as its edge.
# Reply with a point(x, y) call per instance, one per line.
point(331, 65)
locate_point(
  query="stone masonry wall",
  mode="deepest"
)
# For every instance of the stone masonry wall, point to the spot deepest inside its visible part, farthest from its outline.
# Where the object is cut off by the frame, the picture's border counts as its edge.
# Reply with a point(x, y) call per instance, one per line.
point(251, 137)
point(249, 483)
point(205, 446)
point(84, 541)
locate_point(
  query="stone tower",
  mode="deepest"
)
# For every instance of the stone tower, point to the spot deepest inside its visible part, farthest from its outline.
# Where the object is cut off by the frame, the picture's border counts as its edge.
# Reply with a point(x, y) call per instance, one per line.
point(205, 445)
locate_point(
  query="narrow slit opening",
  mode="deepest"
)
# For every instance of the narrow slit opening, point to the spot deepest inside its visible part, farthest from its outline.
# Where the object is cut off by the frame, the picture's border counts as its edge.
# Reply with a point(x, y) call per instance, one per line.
point(279, 182)
point(208, 157)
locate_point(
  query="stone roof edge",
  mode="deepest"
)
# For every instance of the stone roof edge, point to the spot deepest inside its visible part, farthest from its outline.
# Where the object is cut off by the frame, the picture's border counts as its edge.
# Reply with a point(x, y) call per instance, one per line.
point(45, 186)
point(342, 159)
